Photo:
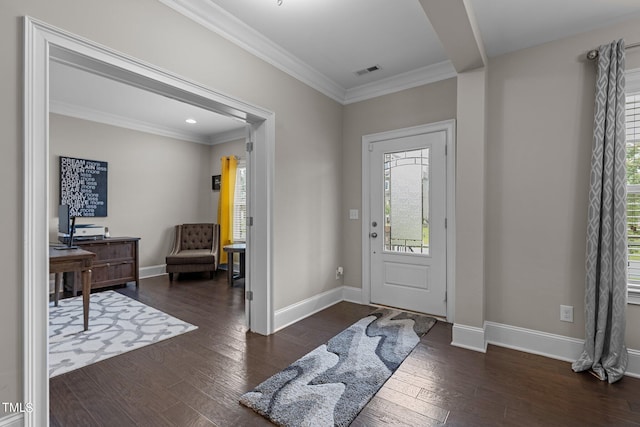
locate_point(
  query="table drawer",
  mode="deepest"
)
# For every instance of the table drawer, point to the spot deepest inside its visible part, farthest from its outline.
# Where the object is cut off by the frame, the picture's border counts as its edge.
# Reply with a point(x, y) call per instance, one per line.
point(112, 251)
point(113, 273)
point(116, 262)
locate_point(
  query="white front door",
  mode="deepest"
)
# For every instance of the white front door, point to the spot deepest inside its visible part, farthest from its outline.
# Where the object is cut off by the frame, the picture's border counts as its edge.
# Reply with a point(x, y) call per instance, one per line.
point(407, 232)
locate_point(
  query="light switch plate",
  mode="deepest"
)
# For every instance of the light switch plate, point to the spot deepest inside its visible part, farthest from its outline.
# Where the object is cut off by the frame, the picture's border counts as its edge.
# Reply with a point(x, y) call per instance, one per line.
point(353, 213)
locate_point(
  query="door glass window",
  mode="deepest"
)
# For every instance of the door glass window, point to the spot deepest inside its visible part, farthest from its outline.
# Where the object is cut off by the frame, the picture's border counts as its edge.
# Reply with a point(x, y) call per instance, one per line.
point(406, 201)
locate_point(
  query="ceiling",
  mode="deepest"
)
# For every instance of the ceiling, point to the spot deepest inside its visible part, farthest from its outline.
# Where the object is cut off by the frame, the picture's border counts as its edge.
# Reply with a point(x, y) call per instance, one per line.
point(339, 37)
point(81, 94)
point(324, 42)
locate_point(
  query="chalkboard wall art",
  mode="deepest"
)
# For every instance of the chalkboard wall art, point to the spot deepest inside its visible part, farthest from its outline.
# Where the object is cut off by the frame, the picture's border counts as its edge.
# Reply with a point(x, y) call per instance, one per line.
point(83, 186)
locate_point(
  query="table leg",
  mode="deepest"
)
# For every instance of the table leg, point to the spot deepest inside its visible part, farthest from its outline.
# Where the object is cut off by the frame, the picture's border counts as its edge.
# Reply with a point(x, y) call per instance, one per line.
point(86, 292)
point(241, 264)
point(230, 268)
point(77, 277)
point(56, 288)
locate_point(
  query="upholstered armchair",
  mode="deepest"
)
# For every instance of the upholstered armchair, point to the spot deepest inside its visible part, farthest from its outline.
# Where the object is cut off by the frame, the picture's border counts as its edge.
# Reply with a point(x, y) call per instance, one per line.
point(195, 249)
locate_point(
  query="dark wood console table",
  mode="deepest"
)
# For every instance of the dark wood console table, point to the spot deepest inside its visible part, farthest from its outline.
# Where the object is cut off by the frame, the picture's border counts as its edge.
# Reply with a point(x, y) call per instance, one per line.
point(240, 248)
point(116, 262)
point(76, 261)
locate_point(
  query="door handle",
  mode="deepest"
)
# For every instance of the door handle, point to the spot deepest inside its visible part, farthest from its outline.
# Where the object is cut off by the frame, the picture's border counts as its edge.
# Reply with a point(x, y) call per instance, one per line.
point(374, 234)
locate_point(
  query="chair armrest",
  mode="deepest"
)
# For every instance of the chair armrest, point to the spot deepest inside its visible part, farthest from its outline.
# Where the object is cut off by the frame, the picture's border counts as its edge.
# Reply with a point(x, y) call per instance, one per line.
point(215, 244)
point(176, 242)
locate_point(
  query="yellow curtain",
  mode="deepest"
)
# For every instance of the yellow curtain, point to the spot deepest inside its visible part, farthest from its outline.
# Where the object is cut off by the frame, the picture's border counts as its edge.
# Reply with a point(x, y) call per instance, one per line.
point(225, 206)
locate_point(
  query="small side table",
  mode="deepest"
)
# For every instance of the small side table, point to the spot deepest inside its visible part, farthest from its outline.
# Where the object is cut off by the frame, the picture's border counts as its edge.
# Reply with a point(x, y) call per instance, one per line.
point(239, 248)
point(72, 260)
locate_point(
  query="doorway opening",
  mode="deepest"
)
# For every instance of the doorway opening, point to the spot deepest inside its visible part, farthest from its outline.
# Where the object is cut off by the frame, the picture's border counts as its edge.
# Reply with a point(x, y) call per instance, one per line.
point(44, 43)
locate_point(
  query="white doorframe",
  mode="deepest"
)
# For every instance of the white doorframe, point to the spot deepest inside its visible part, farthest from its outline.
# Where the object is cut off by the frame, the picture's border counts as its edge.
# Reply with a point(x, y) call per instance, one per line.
point(448, 126)
point(43, 42)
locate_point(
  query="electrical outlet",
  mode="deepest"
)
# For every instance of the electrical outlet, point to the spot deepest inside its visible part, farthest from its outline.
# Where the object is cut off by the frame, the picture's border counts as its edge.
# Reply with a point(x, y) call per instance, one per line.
point(339, 272)
point(566, 313)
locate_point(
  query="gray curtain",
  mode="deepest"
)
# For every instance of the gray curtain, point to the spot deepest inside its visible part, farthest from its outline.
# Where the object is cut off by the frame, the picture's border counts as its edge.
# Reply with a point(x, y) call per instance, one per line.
point(606, 280)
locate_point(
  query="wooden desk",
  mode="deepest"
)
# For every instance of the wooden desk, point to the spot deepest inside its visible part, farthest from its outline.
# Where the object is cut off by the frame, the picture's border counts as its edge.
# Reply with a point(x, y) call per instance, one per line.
point(116, 262)
point(72, 260)
point(230, 250)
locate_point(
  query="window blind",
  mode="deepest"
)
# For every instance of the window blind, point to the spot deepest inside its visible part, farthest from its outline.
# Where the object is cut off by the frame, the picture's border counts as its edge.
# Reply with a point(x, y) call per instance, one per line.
point(240, 204)
point(632, 141)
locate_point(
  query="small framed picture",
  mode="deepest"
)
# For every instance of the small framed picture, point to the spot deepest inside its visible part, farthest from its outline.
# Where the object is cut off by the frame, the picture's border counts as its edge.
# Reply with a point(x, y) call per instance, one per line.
point(215, 182)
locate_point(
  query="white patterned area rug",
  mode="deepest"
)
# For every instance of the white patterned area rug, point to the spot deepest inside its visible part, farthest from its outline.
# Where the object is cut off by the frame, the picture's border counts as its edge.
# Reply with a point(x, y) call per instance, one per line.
point(117, 324)
point(330, 385)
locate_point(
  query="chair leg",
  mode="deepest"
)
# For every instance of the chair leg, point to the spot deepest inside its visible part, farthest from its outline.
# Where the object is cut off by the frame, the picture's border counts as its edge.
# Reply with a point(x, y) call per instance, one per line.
point(171, 277)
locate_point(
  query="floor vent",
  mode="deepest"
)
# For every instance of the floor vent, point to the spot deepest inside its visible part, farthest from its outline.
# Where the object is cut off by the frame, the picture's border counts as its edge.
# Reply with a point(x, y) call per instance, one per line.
point(367, 70)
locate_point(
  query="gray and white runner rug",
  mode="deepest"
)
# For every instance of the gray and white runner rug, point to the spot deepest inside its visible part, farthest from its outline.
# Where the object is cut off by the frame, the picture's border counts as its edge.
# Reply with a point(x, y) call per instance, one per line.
point(117, 324)
point(330, 385)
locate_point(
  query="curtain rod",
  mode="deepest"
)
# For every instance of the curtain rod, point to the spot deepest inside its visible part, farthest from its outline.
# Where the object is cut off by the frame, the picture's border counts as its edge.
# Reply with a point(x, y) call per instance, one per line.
point(593, 54)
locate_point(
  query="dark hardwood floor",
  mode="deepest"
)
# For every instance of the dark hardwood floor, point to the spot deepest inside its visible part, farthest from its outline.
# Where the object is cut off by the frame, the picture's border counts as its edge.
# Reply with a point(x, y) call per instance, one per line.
point(195, 379)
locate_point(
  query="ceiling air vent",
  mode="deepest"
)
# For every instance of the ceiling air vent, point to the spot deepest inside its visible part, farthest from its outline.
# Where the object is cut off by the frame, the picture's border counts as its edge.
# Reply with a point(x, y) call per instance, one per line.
point(367, 70)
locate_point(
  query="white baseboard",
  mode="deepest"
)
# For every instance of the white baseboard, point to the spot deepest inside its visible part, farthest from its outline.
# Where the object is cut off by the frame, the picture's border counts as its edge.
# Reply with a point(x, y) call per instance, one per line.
point(298, 311)
point(469, 337)
point(530, 341)
point(352, 294)
point(633, 368)
point(13, 420)
point(305, 308)
point(152, 271)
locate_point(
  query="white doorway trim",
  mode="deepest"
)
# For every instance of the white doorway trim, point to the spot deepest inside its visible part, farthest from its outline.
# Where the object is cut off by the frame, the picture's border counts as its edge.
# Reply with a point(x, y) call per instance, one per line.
point(448, 126)
point(43, 42)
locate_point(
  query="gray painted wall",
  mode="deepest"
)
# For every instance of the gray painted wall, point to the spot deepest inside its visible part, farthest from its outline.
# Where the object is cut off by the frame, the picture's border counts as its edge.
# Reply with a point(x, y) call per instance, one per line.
point(540, 125)
point(426, 104)
point(154, 182)
point(308, 142)
point(539, 137)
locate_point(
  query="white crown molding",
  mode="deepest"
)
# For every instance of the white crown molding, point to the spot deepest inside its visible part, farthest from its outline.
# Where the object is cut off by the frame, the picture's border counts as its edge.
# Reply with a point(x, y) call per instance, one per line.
point(418, 77)
point(221, 22)
point(218, 20)
point(228, 136)
point(85, 113)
